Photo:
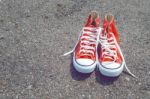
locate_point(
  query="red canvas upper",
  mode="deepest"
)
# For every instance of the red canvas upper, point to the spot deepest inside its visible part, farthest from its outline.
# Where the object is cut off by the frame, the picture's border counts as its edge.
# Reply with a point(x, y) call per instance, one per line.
point(110, 31)
point(93, 22)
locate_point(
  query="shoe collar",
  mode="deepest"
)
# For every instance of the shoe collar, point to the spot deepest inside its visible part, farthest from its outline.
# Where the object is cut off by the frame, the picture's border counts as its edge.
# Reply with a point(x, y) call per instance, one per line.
point(93, 20)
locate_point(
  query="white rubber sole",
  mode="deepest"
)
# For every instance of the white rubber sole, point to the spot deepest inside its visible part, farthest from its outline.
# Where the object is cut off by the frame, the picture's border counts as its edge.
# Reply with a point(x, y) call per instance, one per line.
point(83, 69)
point(111, 72)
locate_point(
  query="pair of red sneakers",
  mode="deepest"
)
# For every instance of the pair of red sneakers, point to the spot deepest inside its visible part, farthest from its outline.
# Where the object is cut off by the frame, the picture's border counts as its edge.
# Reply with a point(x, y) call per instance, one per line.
point(109, 57)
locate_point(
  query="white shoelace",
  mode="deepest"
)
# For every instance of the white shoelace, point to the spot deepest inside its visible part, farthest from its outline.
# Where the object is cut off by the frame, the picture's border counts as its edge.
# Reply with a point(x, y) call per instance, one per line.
point(107, 46)
point(88, 37)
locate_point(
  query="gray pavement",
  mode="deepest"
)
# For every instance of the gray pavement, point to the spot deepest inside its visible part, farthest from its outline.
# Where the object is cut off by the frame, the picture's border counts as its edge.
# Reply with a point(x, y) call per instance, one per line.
point(34, 33)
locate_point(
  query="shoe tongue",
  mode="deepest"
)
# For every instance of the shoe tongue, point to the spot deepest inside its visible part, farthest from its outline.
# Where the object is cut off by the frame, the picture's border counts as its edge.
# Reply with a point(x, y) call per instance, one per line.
point(92, 26)
point(107, 35)
point(108, 59)
point(107, 32)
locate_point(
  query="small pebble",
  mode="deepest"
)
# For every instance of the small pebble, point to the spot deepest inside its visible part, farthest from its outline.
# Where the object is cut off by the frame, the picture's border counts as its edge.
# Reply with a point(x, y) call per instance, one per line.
point(140, 83)
point(29, 87)
point(83, 95)
point(127, 78)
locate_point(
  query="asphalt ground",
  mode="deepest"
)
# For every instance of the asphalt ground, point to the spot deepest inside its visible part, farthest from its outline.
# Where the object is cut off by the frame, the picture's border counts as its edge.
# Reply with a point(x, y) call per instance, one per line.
point(34, 33)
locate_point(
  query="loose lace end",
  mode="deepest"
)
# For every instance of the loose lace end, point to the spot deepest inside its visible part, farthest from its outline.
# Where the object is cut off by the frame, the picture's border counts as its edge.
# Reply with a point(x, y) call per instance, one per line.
point(130, 72)
point(67, 53)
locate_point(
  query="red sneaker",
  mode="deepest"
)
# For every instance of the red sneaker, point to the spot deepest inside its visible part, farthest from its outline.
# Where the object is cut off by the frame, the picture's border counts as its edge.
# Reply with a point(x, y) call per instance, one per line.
point(85, 51)
point(111, 60)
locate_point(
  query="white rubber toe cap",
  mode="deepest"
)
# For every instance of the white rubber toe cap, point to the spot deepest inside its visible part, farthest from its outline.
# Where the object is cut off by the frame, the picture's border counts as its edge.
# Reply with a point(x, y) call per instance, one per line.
point(85, 62)
point(111, 69)
point(111, 65)
point(84, 65)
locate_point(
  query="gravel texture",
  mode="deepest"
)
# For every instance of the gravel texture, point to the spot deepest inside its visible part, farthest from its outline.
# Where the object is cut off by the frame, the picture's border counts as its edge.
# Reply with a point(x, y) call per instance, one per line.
point(34, 33)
